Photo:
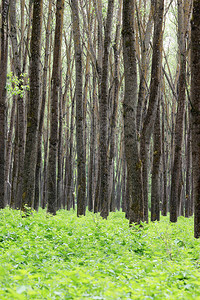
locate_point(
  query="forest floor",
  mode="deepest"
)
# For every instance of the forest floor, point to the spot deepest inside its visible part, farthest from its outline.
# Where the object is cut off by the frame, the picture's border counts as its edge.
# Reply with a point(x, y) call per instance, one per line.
point(65, 257)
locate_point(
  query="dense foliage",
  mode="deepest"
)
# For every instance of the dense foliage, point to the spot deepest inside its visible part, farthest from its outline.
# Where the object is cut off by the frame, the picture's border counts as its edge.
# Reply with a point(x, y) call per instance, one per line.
point(65, 257)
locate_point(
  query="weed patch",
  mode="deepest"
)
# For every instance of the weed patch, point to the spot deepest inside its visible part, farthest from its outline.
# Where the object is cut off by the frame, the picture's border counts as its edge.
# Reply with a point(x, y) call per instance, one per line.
point(65, 257)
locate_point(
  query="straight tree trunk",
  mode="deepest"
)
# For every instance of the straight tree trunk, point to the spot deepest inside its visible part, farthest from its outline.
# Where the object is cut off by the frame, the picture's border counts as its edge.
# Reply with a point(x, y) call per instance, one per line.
point(8, 174)
point(30, 158)
point(178, 138)
point(114, 106)
point(103, 112)
point(20, 103)
point(91, 187)
point(55, 86)
point(26, 48)
point(60, 151)
point(81, 174)
point(188, 168)
point(42, 110)
point(195, 112)
point(153, 98)
point(155, 181)
point(3, 77)
point(70, 190)
point(14, 166)
point(164, 163)
point(144, 69)
point(134, 176)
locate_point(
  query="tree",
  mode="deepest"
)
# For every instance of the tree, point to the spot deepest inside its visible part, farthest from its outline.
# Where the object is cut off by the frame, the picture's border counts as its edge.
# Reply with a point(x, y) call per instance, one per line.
point(81, 180)
point(103, 112)
point(55, 88)
point(176, 169)
point(3, 77)
point(155, 181)
point(134, 176)
point(195, 112)
point(42, 110)
point(20, 148)
point(32, 109)
point(150, 117)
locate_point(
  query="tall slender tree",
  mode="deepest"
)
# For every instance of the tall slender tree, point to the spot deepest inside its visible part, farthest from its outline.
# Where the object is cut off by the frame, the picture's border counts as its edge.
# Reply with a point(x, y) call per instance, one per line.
point(150, 117)
point(3, 77)
point(20, 103)
point(55, 88)
point(195, 112)
point(81, 204)
point(42, 110)
point(176, 169)
point(155, 179)
point(33, 108)
point(134, 176)
point(103, 112)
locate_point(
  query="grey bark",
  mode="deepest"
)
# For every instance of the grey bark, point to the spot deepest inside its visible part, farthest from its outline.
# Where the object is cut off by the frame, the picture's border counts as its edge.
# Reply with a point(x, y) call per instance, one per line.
point(134, 178)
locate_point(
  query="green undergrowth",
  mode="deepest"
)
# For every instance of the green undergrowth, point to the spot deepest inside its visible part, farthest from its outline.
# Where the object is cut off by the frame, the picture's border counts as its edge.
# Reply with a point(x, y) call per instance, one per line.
point(65, 257)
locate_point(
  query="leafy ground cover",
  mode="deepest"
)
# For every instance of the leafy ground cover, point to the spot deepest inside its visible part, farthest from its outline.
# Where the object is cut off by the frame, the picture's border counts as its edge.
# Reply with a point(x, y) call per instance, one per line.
point(65, 257)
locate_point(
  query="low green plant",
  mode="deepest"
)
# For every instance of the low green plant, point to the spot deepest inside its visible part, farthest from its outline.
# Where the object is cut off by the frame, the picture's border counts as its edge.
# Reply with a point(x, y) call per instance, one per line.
point(65, 257)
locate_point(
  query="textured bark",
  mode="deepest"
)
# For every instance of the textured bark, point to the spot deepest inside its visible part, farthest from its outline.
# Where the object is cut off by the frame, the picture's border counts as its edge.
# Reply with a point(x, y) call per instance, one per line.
point(26, 48)
point(67, 98)
point(164, 167)
point(46, 134)
point(153, 99)
point(134, 179)
point(91, 182)
point(188, 168)
point(14, 166)
point(195, 112)
point(20, 104)
point(114, 99)
point(22, 28)
point(32, 109)
point(3, 77)
point(55, 86)
point(42, 110)
point(178, 138)
point(60, 152)
point(8, 171)
point(69, 190)
point(144, 61)
point(155, 181)
point(103, 113)
point(81, 180)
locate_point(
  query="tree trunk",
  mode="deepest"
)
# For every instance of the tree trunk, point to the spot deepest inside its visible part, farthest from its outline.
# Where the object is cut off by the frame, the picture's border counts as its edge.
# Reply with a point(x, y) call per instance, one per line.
point(103, 112)
point(155, 181)
point(33, 109)
point(8, 174)
point(130, 106)
point(144, 69)
point(91, 184)
point(20, 103)
point(188, 168)
point(3, 77)
point(42, 110)
point(153, 98)
point(164, 163)
point(176, 168)
point(55, 86)
point(114, 106)
point(81, 180)
point(195, 112)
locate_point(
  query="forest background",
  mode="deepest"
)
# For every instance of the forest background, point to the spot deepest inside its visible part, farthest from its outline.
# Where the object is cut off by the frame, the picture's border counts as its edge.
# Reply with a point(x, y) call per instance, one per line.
point(96, 101)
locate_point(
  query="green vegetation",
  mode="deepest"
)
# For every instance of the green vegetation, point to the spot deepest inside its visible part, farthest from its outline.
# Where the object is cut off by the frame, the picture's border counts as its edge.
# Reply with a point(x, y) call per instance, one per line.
point(65, 257)
point(17, 86)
